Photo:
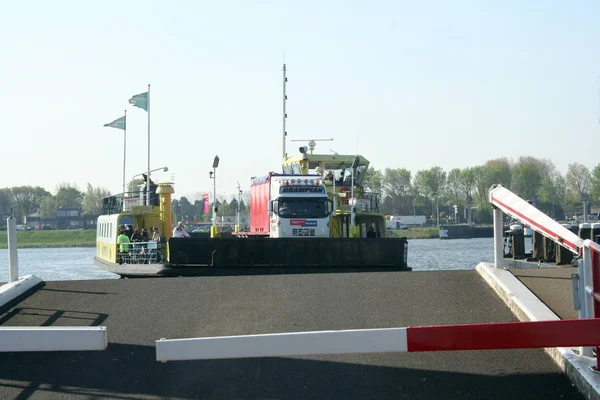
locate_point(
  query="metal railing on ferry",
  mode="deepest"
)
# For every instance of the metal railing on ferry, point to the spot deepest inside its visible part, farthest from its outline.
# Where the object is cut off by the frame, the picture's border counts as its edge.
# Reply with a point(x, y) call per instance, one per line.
point(367, 202)
point(140, 253)
point(124, 202)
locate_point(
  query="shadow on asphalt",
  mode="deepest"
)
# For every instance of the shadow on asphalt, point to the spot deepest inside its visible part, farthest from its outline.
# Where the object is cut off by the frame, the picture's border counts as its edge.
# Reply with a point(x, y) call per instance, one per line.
point(260, 270)
point(131, 372)
point(48, 317)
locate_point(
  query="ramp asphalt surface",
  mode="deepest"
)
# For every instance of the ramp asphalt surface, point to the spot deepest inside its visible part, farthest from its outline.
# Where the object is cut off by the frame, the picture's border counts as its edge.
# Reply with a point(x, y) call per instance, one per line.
point(553, 286)
point(137, 312)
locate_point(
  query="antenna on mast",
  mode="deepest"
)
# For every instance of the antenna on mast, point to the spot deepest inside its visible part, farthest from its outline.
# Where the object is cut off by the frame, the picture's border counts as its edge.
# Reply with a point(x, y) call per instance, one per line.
point(311, 143)
point(284, 112)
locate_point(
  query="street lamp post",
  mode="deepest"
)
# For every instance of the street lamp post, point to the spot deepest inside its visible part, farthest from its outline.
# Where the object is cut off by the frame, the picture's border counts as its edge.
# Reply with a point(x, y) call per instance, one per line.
point(238, 205)
point(437, 212)
point(164, 169)
point(354, 232)
point(469, 209)
point(214, 231)
point(585, 199)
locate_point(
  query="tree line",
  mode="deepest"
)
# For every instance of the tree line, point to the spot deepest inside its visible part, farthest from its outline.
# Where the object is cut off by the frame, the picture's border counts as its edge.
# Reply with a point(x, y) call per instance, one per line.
point(194, 211)
point(20, 201)
point(559, 196)
point(402, 192)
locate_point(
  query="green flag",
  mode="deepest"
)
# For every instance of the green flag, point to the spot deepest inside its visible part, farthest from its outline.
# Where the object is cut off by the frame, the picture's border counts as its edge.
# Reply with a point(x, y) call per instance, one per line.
point(118, 123)
point(140, 100)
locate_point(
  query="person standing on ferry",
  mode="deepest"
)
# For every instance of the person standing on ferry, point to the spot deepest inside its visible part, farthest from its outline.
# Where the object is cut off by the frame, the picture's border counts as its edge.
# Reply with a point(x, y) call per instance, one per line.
point(136, 237)
point(155, 234)
point(179, 232)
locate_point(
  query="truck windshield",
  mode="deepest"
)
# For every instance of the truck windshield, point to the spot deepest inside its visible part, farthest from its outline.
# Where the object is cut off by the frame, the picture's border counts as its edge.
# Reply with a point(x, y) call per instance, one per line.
point(305, 208)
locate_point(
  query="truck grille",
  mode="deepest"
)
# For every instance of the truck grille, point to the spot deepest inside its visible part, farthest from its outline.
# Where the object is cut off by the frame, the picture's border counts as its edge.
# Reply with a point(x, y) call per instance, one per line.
point(303, 232)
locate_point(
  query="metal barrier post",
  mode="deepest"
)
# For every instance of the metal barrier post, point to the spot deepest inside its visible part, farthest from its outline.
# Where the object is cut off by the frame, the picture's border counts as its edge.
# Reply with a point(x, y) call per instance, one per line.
point(586, 302)
point(498, 238)
point(595, 272)
point(13, 262)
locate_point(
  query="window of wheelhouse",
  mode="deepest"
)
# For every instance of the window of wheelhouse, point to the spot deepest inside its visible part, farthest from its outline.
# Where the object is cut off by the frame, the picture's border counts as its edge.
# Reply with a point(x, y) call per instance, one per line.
point(314, 167)
point(287, 169)
point(340, 174)
point(296, 169)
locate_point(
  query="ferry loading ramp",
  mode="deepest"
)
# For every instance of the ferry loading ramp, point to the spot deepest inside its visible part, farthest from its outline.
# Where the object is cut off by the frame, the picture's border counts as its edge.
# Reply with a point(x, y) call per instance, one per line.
point(138, 312)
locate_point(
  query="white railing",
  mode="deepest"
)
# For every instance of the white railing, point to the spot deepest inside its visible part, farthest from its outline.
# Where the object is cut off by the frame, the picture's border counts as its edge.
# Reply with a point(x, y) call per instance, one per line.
point(586, 283)
point(45, 338)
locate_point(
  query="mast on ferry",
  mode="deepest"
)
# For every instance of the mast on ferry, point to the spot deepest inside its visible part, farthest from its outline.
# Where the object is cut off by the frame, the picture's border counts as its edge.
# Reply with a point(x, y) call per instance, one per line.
point(284, 113)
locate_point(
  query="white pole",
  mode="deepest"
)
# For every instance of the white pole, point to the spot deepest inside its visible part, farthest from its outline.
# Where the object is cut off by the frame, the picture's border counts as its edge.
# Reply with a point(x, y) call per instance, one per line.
point(13, 262)
point(284, 112)
point(498, 238)
point(586, 302)
point(589, 282)
point(148, 178)
point(334, 192)
point(352, 205)
point(124, 152)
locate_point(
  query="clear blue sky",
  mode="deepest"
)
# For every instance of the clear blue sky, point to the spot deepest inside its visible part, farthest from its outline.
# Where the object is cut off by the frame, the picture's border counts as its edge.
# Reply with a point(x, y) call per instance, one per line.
point(420, 83)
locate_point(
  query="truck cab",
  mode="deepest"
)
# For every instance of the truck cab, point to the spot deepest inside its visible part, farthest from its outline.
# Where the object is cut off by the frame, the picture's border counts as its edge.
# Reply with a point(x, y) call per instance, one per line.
point(299, 207)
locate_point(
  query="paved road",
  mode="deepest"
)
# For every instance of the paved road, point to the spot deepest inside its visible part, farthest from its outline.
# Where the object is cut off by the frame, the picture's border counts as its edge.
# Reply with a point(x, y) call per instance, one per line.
point(137, 312)
point(553, 286)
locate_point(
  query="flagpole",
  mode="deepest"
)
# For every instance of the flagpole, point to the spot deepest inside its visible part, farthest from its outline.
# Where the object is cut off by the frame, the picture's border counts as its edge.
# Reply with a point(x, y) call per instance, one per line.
point(148, 176)
point(124, 153)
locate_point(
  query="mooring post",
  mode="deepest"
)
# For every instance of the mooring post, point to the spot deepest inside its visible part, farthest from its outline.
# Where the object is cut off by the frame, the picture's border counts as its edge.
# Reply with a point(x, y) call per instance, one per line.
point(11, 228)
point(498, 238)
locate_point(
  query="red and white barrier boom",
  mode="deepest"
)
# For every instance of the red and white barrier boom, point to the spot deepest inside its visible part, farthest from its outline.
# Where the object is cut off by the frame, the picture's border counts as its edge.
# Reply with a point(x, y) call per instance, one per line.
point(587, 283)
point(504, 335)
point(503, 200)
point(583, 332)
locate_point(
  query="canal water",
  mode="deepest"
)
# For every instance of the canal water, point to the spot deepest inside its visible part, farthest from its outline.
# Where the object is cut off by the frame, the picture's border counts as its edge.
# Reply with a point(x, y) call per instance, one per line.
point(76, 263)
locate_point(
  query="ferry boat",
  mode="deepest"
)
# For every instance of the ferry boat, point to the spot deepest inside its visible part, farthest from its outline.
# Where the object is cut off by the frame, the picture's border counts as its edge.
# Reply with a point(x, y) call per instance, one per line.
point(201, 255)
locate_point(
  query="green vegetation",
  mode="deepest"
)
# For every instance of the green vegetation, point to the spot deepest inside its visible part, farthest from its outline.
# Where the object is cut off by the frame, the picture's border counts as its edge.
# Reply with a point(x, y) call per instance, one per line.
point(460, 194)
point(429, 232)
point(432, 191)
point(87, 238)
point(64, 238)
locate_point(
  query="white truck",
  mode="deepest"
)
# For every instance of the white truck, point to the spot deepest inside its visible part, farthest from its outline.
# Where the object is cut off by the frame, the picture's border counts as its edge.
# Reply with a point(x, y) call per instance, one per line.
point(395, 225)
point(289, 206)
point(409, 220)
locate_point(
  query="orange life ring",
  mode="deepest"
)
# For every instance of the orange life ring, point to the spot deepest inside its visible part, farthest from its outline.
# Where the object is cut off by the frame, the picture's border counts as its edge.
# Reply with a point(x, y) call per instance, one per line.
point(347, 190)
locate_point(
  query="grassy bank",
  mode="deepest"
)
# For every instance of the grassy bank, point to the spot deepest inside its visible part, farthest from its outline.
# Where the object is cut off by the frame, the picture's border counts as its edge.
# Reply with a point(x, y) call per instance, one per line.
point(87, 238)
point(66, 238)
point(416, 233)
